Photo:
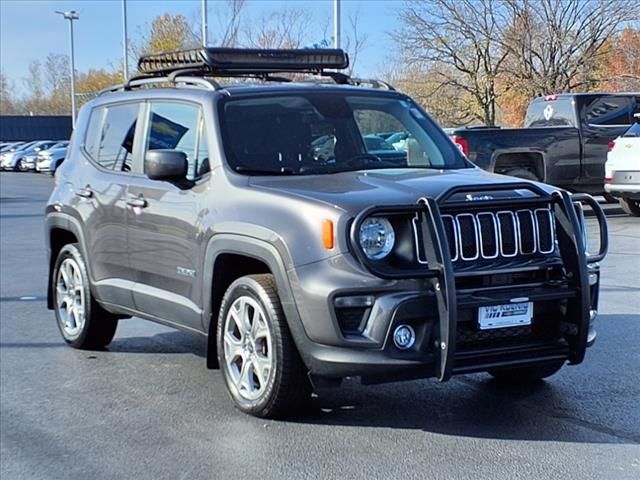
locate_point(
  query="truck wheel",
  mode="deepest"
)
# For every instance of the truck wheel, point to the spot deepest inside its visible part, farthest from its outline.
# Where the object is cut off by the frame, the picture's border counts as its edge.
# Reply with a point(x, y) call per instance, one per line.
point(522, 173)
point(609, 198)
point(632, 207)
point(259, 362)
point(523, 375)
point(82, 322)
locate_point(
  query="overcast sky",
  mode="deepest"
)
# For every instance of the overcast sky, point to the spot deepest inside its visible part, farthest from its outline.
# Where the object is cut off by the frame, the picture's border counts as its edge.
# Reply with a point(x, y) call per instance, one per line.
point(29, 29)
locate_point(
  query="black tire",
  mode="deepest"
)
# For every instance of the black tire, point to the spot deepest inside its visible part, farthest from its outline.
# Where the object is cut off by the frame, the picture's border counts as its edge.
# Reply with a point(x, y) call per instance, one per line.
point(632, 207)
point(524, 173)
point(287, 388)
point(98, 327)
point(609, 198)
point(19, 166)
point(524, 375)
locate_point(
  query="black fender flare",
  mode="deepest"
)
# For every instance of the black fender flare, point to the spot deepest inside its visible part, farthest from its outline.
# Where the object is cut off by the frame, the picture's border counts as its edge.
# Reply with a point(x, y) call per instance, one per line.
point(265, 252)
point(63, 221)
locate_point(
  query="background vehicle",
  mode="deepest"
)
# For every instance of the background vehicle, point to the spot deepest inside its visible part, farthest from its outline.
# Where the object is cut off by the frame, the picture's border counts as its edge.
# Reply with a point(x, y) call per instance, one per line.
point(622, 170)
point(564, 142)
point(30, 160)
point(10, 146)
point(205, 207)
point(7, 157)
point(49, 160)
point(17, 161)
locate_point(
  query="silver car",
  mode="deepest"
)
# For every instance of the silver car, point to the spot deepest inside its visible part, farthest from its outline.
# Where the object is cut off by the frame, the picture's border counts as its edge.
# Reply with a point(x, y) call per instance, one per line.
point(49, 160)
point(16, 160)
point(30, 159)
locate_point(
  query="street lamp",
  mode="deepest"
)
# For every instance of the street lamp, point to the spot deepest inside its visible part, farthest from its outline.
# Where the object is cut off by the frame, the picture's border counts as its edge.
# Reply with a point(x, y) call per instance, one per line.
point(72, 15)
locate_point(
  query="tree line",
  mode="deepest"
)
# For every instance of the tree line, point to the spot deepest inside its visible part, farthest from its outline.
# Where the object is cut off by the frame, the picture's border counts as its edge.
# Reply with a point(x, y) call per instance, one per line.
point(466, 61)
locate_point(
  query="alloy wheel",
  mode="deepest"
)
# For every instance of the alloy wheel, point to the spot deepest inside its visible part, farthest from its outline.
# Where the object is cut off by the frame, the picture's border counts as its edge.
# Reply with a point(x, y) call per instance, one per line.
point(70, 299)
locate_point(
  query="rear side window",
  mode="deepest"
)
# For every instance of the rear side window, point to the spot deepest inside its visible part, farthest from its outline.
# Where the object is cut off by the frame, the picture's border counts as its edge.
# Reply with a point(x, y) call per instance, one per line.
point(110, 134)
point(634, 131)
point(551, 113)
point(178, 126)
point(609, 111)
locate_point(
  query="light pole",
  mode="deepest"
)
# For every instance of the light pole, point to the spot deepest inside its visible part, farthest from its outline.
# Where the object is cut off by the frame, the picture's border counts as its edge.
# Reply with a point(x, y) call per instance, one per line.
point(336, 23)
point(72, 15)
point(124, 40)
point(204, 23)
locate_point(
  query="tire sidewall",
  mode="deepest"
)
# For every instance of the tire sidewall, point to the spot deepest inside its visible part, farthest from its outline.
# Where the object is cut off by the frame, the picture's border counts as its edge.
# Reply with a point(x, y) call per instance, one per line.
point(251, 288)
point(71, 251)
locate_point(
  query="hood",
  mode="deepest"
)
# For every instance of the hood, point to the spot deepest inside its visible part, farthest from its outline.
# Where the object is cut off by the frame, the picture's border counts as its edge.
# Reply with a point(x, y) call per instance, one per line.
point(353, 191)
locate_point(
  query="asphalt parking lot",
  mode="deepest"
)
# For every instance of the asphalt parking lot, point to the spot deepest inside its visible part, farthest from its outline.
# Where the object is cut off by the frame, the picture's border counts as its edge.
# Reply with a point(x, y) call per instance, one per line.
point(148, 408)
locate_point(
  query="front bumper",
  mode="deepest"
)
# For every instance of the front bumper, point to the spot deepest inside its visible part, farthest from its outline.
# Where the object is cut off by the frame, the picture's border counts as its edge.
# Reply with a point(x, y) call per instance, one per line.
point(442, 310)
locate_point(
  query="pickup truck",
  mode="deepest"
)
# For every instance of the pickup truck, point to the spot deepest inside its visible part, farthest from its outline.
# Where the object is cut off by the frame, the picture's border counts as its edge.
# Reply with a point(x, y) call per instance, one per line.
point(564, 142)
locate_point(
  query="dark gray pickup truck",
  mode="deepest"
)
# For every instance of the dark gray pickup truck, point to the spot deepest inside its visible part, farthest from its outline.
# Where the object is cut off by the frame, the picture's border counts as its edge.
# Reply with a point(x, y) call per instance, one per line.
point(564, 142)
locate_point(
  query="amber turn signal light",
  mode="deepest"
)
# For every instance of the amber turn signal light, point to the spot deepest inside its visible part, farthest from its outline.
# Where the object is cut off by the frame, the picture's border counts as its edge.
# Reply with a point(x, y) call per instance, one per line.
point(327, 234)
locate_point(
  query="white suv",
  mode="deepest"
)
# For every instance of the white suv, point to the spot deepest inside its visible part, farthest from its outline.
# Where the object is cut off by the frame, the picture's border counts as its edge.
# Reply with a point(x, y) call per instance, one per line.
point(622, 170)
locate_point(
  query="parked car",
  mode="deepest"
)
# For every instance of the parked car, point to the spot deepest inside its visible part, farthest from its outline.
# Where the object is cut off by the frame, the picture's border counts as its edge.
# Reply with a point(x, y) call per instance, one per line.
point(564, 142)
point(49, 160)
point(204, 207)
point(7, 157)
point(18, 161)
point(29, 161)
point(622, 170)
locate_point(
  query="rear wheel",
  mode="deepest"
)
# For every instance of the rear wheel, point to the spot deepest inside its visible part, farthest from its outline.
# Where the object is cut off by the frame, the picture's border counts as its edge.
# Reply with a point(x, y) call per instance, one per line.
point(632, 207)
point(609, 198)
point(20, 166)
point(523, 375)
point(82, 322)
point(522, 173)
point(258, 359)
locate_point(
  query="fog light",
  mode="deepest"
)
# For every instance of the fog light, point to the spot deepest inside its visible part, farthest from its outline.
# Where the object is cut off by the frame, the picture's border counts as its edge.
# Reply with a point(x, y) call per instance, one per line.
point(404, 337)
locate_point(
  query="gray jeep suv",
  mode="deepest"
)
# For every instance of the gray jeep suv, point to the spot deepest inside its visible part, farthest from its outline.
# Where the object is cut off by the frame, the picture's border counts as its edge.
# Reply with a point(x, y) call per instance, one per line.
point(207, 208)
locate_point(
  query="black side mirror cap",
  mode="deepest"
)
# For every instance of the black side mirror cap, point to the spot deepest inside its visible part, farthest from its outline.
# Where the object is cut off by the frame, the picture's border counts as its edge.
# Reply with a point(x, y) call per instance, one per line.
point(169, 165)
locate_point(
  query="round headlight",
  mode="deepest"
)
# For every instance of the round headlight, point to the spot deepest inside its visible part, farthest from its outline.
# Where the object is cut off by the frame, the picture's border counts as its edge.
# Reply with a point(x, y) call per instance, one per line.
point(376, 237)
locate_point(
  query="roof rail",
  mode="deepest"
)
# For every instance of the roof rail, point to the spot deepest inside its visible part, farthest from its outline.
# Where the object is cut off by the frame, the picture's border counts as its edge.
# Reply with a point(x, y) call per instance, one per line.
point(144, 81)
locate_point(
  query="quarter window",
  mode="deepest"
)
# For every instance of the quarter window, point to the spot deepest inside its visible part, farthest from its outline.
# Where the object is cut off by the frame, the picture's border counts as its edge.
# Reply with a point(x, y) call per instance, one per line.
point(609, 111)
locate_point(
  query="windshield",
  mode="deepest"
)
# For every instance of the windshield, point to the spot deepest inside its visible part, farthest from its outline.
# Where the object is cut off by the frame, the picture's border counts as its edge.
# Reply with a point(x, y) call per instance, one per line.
point(329, 132)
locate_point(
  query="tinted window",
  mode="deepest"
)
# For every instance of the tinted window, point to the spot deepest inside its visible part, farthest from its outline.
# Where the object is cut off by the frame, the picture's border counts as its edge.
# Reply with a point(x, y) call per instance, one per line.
point(609, 111)
point(317, 133)
point(178, 126)
point(551, 113)
point(110, 133)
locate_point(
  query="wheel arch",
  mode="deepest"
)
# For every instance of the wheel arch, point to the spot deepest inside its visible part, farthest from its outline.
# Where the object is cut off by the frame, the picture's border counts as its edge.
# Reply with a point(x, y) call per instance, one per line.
point(60, 230)
point(231, 256)
point(503, 160)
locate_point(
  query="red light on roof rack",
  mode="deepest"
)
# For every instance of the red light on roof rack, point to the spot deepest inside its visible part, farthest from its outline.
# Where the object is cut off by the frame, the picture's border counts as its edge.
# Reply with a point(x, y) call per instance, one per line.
point(550, 98)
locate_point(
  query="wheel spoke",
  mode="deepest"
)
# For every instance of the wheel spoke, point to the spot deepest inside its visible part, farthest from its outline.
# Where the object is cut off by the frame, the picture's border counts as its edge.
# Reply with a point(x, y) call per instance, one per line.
point(245, 380)
point(233, 347)
point(262, 367)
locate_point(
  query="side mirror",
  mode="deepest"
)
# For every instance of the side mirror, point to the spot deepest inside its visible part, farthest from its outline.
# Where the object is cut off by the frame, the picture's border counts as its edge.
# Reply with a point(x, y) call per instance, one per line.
point(170, 165)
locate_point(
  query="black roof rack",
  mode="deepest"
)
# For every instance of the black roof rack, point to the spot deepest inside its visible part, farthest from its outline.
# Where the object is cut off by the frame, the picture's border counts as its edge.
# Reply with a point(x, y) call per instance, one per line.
point(238, 61)
point(197, 67)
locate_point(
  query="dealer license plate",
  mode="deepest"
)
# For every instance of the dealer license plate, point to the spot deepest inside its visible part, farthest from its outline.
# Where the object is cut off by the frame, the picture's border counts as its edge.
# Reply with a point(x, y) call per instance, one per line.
point(508, 315)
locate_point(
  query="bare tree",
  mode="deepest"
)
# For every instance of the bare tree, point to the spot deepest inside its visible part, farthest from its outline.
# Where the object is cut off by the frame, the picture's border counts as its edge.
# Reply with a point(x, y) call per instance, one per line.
point(555, 45)
point(355, 40)
point(286, 28)
point(458, 40)
point(9, 104)
point(227, 21)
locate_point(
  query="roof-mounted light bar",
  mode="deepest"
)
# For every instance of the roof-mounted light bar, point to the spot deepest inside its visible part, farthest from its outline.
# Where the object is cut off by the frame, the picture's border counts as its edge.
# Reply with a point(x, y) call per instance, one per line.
point(230, 61)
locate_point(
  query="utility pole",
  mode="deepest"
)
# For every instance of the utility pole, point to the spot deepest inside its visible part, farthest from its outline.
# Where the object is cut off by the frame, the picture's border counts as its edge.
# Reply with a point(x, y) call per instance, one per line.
point(125, 42)
point(204, 23)
point(336, 23)
point(72, 15)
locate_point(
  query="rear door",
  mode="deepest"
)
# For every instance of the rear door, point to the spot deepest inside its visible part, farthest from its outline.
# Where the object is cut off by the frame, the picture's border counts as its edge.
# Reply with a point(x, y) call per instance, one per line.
point(110, 150)
point(165, 219)
point(604, 118)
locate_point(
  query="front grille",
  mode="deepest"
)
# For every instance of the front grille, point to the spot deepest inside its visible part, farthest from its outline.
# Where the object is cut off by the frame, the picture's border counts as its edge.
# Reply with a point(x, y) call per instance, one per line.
point(504, 233)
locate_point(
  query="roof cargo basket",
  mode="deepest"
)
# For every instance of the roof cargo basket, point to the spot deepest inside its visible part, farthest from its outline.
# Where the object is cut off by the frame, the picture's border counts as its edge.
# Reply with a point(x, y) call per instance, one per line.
point(239, 61)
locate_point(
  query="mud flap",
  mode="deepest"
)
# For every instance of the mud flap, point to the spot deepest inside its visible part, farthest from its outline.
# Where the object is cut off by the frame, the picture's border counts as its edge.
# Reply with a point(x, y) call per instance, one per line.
point(443, 285)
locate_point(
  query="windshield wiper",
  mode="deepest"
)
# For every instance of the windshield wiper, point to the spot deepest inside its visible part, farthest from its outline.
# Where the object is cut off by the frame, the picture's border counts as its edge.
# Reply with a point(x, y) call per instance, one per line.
point(252, 171)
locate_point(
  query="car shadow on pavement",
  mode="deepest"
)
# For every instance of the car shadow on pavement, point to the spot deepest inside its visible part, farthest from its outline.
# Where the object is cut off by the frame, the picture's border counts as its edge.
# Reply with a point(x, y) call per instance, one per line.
point(166, 342)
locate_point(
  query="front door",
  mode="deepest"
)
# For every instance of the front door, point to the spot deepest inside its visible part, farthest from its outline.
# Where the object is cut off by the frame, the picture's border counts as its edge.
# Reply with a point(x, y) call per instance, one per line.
point(165, 220)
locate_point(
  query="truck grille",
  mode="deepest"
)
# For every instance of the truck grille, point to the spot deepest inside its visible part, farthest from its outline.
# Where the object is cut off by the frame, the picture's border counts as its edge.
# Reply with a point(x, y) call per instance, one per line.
point(499, 234)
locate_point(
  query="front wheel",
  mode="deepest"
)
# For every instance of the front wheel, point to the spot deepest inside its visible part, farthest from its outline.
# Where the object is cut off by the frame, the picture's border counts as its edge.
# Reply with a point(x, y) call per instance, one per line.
point(20, 167)
point(632, 207)
point(522, 173)
point(82, 322)
point(523, 375)
point(258, 359)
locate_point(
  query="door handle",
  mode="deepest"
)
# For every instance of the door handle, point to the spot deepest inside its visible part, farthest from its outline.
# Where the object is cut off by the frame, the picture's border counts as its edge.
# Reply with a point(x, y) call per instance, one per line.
point(138, 202)
point(85, 192)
